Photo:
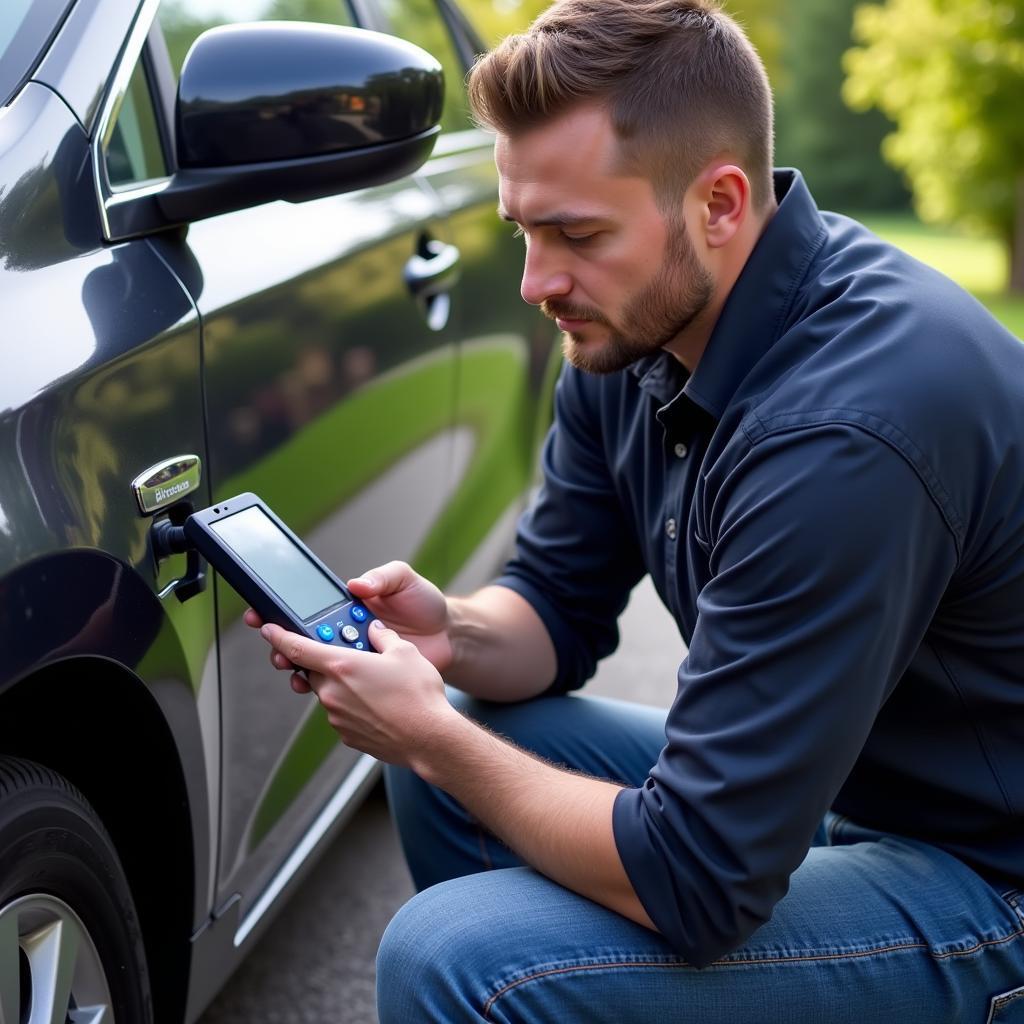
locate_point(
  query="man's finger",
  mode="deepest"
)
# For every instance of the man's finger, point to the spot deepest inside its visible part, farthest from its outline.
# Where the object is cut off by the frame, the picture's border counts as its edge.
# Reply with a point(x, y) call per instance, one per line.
point(279, 661)
point(300, 650)
point(252, 618)
point(383, 580)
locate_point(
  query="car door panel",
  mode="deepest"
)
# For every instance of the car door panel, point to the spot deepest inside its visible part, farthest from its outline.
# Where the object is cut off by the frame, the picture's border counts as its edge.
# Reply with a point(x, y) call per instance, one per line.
point(322, 381)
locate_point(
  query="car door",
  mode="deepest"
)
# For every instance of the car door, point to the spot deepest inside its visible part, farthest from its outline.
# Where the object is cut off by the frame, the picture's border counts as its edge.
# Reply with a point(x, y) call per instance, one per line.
point(329, 383)
point(507, 351)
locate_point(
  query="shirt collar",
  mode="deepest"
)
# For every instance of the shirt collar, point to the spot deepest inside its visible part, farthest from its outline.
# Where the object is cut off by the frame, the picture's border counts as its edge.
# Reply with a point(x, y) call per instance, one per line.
point(755, 311)
point(759, 303)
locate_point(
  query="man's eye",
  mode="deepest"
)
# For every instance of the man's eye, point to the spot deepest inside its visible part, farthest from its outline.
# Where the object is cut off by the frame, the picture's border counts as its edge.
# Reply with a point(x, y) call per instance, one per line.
point(579, 239)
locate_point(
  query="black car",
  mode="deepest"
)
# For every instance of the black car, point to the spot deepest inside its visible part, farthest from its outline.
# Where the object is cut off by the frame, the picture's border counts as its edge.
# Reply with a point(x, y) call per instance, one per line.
point(237, 255)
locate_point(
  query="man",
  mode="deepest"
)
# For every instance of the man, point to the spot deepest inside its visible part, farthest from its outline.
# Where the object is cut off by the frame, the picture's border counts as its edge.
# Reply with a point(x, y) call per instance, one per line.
point(815, 446)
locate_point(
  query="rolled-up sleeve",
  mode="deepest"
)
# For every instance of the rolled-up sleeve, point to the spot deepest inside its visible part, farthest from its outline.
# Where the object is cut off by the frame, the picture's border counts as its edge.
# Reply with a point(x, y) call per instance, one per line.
point(577, 555)
point(828, 558)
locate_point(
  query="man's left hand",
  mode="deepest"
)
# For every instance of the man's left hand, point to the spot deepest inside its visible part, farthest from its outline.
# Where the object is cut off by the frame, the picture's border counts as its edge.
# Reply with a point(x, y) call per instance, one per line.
point(387, 704)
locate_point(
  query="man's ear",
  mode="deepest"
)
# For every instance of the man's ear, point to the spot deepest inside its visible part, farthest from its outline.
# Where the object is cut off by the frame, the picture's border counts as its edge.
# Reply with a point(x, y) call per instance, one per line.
point(724, 194)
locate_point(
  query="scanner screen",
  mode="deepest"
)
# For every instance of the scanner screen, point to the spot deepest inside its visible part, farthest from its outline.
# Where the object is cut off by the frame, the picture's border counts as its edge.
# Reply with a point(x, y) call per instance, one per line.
point(276, 560)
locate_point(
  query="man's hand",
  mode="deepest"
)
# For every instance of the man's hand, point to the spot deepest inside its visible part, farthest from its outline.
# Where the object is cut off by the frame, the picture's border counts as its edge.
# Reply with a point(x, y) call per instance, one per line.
point(491, 644)
point(410, 605)
point(389, 704)
point(406, 601)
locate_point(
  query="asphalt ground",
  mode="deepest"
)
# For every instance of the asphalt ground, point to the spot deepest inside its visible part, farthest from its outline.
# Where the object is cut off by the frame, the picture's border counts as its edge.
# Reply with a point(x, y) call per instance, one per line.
point(315, 965)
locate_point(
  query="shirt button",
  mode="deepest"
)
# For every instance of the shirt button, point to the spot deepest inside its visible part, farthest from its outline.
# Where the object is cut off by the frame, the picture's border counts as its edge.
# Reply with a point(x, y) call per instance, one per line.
point(670, 529)
point(681, 451)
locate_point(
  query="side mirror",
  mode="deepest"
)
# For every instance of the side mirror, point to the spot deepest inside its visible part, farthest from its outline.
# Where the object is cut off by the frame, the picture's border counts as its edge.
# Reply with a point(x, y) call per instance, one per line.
point(294, 111)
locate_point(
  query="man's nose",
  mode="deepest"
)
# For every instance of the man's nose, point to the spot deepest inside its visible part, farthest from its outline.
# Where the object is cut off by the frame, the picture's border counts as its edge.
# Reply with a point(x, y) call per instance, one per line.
point(543, 279)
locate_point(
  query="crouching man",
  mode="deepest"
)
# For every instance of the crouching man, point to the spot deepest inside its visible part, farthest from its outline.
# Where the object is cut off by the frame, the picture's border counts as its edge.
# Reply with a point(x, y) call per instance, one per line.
point(815, 446)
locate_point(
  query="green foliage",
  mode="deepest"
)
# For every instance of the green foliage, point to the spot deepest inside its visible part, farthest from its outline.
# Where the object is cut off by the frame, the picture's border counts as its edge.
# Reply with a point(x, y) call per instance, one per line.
point(762, 21)
point(950, 73)
point(495, 19)
point(837, 149)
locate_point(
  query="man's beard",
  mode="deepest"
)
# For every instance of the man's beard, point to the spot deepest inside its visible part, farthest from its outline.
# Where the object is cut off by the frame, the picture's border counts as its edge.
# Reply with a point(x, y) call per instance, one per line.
point(679, 293)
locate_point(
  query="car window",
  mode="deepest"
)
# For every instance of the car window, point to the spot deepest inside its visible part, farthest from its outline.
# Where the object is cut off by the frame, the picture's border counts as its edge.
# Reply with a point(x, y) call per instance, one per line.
point(12, 17)
point(183, 20)
point(134, 153)
point(421, 23)
point(25, 28)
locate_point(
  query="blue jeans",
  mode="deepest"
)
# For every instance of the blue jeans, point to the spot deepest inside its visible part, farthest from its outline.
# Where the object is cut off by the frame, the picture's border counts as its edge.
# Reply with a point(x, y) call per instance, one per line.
point(875, 927)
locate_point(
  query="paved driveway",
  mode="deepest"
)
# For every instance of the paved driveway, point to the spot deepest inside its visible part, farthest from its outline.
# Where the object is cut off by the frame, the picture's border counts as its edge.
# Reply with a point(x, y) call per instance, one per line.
point(315, 965)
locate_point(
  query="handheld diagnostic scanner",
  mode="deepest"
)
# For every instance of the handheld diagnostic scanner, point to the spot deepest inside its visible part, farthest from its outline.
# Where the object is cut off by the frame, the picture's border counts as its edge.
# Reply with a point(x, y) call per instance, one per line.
point(280, 577)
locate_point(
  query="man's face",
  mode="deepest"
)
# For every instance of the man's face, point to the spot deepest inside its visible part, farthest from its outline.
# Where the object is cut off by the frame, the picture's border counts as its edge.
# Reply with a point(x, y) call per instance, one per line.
point(620, 279)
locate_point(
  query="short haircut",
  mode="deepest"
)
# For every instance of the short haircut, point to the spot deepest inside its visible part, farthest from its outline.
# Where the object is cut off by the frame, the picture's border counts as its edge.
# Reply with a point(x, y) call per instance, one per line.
point(680, 79)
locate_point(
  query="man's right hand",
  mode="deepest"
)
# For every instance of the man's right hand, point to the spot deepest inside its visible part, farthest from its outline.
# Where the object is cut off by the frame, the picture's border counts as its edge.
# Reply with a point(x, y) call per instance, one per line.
point(411, 605)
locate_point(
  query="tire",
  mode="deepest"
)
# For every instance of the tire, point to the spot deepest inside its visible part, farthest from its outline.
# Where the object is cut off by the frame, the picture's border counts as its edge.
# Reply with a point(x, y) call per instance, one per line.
point(69, 933)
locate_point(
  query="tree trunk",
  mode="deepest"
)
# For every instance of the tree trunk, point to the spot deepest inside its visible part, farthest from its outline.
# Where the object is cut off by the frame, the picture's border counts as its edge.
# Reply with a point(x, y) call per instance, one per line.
point(1017, 241)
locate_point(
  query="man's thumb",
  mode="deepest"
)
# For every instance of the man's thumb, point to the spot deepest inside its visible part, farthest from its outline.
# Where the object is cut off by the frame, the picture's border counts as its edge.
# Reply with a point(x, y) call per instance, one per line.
point(382, 638)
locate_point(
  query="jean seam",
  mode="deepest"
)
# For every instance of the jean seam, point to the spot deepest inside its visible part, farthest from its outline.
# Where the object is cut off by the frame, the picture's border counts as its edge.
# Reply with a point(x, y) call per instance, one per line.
point(857, 953)
point(571, 969)
point(768, 961)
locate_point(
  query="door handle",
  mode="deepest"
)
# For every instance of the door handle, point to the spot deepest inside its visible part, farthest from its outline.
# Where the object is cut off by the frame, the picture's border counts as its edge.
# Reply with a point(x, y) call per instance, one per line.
point(433, 270)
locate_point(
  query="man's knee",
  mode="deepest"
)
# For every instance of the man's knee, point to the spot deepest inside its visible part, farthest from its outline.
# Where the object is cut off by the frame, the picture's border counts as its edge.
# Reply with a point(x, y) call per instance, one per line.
point(424, 964)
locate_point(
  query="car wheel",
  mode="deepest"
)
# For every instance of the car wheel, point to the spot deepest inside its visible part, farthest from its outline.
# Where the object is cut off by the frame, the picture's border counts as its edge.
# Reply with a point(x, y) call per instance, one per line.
point(70, 944)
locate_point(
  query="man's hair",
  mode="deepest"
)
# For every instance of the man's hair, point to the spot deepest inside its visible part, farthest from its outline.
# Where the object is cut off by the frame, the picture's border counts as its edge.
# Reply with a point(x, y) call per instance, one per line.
point(681, 81)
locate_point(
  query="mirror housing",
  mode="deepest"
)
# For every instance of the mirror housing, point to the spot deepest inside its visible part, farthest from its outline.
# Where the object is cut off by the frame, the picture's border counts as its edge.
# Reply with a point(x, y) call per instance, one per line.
point(293, 111)
point(274, 91)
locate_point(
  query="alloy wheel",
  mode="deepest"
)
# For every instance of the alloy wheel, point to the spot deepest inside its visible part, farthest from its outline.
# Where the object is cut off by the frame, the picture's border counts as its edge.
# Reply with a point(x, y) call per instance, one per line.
point(50, 971)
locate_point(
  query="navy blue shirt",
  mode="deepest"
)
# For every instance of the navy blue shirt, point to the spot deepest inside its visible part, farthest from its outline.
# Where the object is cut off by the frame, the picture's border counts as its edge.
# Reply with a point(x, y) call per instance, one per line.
point(832, 508)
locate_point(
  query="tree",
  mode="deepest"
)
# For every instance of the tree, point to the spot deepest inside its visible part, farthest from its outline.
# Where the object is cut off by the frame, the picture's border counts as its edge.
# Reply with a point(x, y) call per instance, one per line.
point(837, 149)
point(950, 74)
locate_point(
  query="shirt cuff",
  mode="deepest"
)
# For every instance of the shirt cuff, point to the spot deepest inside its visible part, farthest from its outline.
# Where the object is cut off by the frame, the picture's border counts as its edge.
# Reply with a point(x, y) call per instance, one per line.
point(657, 886)
point(569, 675)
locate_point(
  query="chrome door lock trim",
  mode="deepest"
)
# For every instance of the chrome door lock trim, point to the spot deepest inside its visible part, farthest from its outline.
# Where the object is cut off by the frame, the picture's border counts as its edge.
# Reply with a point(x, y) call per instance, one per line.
point(167, 482)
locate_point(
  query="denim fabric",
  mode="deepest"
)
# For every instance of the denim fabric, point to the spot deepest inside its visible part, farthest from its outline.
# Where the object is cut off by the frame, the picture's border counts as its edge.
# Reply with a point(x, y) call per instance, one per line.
point(875, 927)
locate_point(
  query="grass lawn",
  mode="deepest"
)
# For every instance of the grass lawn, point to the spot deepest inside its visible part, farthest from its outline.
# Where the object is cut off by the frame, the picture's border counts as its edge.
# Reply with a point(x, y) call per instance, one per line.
point(979, 264)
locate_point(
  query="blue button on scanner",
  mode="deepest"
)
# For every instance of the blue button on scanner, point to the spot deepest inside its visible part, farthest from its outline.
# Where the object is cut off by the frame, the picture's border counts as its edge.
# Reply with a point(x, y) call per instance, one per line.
point(358, 612)
point(325, 632)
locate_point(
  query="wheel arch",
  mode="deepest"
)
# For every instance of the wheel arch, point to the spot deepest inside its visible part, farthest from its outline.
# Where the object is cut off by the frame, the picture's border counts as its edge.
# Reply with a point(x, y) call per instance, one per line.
point(127, 767)
point(96, 685)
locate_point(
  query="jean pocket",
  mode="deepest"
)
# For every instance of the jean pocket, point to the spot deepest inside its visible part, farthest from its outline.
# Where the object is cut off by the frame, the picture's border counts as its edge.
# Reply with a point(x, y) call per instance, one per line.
point(1015, 899)
point(1007, 1008)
